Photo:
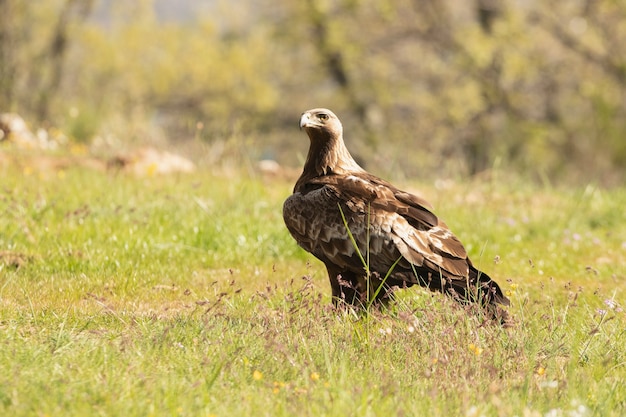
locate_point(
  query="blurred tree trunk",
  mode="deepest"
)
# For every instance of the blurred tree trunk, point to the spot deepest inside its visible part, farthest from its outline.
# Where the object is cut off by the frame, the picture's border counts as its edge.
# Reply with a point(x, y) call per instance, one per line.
point(72, 9)
point(7, 55)
point(487, 11)
point(333, 59)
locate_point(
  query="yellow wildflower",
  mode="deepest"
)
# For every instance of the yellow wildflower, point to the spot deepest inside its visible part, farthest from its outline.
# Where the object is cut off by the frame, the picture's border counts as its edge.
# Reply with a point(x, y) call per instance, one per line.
point(277, 387)
point(511, 292)
point(151, 169)
point(475, 349)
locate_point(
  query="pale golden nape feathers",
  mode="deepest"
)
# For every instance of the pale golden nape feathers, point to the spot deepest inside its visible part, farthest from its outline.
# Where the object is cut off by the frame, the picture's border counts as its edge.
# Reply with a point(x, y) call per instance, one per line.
point(396, 228)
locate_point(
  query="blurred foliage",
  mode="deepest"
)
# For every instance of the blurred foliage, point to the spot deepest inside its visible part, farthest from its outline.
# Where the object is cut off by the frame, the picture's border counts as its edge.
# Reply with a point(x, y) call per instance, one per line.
point(424, 87)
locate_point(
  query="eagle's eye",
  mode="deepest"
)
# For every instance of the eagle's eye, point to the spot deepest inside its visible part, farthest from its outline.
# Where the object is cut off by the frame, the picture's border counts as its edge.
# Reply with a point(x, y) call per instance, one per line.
point(322, 116)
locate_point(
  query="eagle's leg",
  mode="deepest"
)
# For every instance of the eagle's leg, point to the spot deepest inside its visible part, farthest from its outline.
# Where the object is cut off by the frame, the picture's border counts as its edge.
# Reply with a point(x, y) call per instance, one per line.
point(378, 292)
point(334, 275)
point(356, 289)
point(344, 287)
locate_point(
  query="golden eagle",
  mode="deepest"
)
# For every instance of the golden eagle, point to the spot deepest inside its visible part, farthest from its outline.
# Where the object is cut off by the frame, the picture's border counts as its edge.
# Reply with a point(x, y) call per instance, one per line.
point(372, 236)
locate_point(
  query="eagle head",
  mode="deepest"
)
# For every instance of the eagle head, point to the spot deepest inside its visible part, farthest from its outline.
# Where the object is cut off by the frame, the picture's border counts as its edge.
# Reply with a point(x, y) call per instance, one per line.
point(327, 153)
point(321, 122)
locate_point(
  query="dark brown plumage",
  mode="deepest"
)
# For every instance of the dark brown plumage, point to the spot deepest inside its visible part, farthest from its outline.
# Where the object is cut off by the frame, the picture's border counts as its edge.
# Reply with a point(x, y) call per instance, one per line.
point(397, 235)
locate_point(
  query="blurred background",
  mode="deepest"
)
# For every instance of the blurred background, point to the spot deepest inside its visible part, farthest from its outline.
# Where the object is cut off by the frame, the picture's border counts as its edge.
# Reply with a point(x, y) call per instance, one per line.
point(425, 88)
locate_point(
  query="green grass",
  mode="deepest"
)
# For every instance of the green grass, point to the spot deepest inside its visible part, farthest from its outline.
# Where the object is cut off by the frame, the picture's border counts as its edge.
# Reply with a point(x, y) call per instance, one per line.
point(185, 295)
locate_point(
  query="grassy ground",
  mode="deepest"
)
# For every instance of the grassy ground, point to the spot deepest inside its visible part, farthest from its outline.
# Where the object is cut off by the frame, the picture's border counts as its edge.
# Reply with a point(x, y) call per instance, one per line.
point(185, 296)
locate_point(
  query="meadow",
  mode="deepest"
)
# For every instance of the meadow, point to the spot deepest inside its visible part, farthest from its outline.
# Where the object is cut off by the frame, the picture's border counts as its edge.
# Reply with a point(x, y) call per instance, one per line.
point(184, 295)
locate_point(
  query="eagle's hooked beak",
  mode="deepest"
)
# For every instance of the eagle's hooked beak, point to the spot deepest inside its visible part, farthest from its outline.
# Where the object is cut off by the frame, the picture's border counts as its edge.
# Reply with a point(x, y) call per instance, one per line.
point(304, 120)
